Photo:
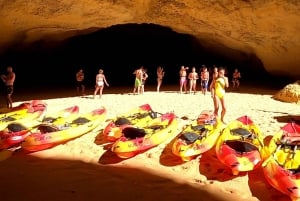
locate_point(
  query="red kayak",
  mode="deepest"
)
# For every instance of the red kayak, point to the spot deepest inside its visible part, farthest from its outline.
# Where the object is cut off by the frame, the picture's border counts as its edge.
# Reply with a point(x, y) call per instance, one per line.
point(240, 145)
point(282, 167)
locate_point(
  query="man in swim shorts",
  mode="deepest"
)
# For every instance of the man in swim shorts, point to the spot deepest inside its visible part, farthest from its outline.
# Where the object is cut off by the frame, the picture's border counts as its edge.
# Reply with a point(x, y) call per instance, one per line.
point(138, 80)
point(9, 80)
point(80, 87)
point(183, 80)
point(204, 79)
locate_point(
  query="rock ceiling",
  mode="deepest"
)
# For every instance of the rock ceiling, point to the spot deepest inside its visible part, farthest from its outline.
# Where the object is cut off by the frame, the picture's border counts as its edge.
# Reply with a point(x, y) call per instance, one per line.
point(267, 29)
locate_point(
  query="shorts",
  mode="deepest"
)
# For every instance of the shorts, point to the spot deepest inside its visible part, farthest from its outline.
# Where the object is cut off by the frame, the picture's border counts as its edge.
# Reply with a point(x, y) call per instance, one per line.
point(79, 83)
point(137, 82)
point(204, 84)
point(183, 80)
point(9, 89)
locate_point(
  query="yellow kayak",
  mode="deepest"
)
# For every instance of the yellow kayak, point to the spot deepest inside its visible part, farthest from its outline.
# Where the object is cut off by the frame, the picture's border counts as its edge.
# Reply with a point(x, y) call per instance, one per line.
point(136, 140)
point(49, 135)
point(197, 138)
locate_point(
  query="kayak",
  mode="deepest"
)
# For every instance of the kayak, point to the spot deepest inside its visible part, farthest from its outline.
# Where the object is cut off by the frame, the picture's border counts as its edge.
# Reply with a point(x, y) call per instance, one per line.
point(48, 135)
point(28, 111)
point(21, 106)
point(240, 145)
point(282, 167)
point(135, 140)
point(16, 132)
point(197, 137)
point(136, 116)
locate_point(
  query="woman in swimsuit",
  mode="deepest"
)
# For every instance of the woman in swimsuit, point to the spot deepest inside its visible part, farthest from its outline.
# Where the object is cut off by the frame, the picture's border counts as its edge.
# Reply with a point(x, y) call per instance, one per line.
point(219, 86)
point(100, 81)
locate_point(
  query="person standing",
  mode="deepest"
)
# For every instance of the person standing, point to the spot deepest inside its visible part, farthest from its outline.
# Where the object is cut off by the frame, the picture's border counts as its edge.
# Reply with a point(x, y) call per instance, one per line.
point(138, 80)
point(236, 76)
point(183, 80)
point(80, 86)
point(9, 80)
point(204, 79)
point(214, 77)
point(193, 77)
point(100, 81)
point(219, 85)
point(144, 78)
point(160, 74)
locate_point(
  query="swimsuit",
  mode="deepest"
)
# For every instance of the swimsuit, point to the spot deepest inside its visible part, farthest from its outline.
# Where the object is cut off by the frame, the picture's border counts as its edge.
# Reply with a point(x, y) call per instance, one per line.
point(182, 80)
point(100, 83)
point(137, 82)
point(9, 89)
point(220, 87)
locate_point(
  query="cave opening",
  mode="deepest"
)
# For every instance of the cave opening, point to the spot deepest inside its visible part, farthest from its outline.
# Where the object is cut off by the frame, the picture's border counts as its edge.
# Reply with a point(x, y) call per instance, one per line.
point(119, 50)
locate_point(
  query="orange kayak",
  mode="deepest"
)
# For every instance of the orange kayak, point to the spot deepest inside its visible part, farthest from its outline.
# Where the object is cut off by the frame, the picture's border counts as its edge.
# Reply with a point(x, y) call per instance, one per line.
point(282, 167)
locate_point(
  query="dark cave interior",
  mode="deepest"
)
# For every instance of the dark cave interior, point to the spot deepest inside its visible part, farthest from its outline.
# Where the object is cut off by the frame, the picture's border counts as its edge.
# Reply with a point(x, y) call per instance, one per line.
point(119, 50)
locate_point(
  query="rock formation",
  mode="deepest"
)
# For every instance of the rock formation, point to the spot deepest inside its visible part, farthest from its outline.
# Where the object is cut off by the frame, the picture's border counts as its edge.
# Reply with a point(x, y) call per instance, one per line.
point(290, 93)
point(243, 29)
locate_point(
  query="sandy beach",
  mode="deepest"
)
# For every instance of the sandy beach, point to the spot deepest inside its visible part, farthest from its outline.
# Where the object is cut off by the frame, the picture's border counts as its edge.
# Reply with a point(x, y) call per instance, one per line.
point(85, 169)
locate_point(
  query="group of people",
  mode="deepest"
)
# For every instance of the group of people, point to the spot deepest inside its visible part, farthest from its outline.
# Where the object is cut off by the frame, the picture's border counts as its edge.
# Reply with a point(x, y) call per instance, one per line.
point(219, 82)
point(100, 81)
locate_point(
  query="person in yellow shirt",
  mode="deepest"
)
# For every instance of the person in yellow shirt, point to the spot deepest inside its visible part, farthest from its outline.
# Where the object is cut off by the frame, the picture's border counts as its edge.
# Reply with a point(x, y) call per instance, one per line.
point(219, 85)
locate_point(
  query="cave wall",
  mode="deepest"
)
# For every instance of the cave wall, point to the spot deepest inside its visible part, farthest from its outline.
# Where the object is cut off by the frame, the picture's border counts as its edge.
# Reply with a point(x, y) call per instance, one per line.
point(267, 29)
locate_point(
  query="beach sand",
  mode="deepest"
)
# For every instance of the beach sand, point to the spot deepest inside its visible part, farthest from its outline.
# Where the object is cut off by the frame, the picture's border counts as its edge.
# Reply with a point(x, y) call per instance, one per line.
point(85, 169)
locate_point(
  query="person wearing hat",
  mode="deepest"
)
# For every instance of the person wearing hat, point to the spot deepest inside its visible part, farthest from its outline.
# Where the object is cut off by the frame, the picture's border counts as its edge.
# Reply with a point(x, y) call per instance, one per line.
point(100, 81)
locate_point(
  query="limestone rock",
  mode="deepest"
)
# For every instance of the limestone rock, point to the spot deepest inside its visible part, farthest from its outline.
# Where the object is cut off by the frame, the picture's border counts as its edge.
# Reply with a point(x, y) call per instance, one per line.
point(234, 28)
point(290, 93)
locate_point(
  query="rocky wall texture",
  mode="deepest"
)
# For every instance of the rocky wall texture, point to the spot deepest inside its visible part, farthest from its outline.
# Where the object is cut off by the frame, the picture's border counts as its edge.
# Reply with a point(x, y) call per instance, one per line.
point(268, 29)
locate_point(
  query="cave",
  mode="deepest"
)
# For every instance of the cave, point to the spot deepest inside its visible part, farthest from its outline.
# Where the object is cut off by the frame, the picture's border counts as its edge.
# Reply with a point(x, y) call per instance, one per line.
point(119, 50)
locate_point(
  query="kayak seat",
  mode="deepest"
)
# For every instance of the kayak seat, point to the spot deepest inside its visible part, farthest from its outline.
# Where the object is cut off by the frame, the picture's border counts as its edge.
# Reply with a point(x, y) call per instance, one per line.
point(241, 132)
point(49, 119)
point(132, 133)
point(122, 121)
point(80, 120)
point(7, 119)
point(16, 127)
point(190, 137)
point(241, 146)
point(47, 128)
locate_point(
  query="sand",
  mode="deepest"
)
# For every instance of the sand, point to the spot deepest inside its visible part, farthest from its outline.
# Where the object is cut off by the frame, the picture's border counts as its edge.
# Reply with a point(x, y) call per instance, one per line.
point(85, 169)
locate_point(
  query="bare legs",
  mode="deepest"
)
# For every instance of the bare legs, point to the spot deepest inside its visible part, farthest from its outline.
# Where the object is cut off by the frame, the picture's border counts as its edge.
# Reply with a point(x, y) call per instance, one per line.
point(159, 82)
point(9, 100)
point(183, 86)
point(216, 101)
point(100, 89)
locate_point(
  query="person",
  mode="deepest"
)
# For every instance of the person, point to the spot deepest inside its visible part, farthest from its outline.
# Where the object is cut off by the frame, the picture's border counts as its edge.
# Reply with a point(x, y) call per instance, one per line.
point(144, 78)
point(214, 77)
point(236, 76)
point(219, 85)
point(193, 77)
point(183, 80)
point(80, 87)
point(204, 79)
point(9, 80)
point(160, 74)
point(138, 80)
point(100, 81)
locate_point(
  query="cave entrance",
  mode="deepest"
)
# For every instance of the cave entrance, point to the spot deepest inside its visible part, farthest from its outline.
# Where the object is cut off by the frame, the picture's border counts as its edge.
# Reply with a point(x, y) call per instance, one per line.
point(120, 49)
